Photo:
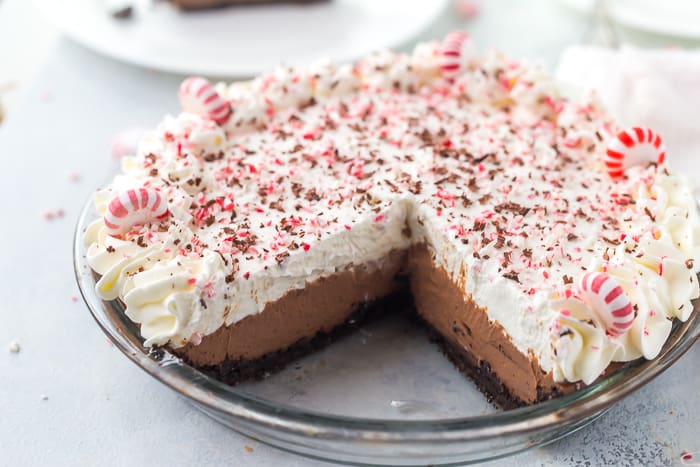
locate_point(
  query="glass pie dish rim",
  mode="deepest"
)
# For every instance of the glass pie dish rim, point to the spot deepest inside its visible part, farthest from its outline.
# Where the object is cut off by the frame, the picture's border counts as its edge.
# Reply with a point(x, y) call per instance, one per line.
point(228, 401)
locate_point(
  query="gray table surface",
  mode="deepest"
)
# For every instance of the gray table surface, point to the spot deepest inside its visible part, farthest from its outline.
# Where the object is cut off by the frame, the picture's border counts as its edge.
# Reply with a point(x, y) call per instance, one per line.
point(69, 398)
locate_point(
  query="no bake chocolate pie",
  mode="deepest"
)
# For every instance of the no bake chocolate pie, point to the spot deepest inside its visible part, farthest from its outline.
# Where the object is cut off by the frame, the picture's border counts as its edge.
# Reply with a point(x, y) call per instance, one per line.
point(539, 241)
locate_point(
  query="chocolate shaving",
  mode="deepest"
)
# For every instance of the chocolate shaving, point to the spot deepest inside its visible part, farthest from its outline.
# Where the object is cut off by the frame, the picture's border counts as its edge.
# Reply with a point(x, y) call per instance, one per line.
point(612, 241)
point(276, 205)
point(512, 276)
point(280, 257)
point(648, 213)
point(484, 157)
point(512, 207)
point(311, 195)
point(506, 259)
point(500, 241)
point(123, 12)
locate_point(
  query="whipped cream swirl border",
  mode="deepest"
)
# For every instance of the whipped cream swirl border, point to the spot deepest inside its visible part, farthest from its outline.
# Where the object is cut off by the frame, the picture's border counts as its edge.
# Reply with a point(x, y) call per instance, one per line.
point(657, 270)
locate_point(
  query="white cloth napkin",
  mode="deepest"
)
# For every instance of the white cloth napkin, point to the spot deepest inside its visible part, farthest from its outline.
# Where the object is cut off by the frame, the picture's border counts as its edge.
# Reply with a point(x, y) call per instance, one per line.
point(655, 88)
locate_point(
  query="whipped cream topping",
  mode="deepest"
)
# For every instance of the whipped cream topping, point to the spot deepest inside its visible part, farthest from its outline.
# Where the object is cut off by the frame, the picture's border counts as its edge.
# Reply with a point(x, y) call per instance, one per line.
point(654, 259)
point(319, 169)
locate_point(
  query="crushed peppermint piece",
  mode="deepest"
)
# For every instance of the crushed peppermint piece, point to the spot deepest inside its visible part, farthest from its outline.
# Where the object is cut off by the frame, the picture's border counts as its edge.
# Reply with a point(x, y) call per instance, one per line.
point(196, 338)
point(689, 458)
point(53, 214)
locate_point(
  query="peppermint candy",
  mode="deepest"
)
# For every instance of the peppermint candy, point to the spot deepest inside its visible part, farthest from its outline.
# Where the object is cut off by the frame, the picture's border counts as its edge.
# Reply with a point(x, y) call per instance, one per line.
point(198, 96)
point(456, 51)
point(633, 146)
point(134, 207)
point(608, 301)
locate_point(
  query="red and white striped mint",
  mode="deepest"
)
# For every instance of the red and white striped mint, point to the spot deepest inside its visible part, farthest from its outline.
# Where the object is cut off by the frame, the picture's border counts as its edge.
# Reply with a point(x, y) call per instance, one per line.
point(456, 52)
point(198, 96)
point(608, 301)
point(634, 146)
point(134, 207)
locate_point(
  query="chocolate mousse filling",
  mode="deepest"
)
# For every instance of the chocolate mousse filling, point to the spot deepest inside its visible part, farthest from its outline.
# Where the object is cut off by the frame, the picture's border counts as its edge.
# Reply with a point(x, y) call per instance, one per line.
point(301, 321)
point(479, 347)
point(307, 319)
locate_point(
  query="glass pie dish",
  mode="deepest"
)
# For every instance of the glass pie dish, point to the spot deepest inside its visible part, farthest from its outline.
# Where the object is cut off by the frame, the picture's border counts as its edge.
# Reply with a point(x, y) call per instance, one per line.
point(384, 395)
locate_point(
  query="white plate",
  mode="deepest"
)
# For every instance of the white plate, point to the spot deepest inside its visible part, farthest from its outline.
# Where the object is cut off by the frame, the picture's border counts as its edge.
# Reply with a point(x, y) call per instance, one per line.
point(679, 18)
point(242, 41)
